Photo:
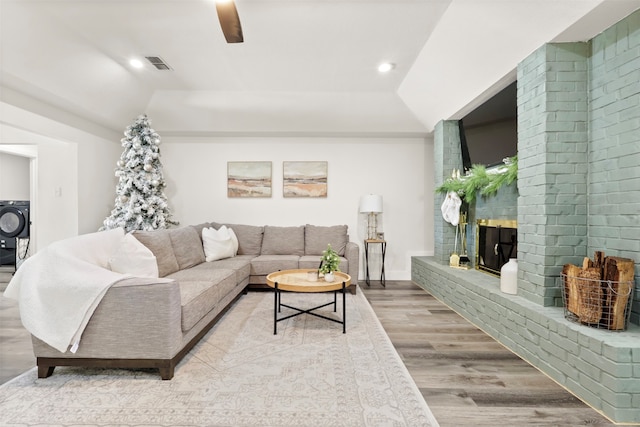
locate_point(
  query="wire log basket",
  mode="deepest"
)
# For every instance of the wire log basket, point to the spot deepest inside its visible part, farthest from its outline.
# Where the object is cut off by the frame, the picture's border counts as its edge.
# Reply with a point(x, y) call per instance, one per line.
point(602, 304)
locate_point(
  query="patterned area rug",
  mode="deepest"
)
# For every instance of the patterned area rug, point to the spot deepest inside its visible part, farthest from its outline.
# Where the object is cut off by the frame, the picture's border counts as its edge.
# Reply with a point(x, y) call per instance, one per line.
point(241, 374)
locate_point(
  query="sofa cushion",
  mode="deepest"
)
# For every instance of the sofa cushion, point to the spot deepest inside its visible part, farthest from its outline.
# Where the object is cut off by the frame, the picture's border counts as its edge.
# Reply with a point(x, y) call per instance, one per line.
point(197, 299)
point(265, 264)
point(241, 264)
point(316, 239)
point(283, 241)
point(201, 290)
point(187, 247)
point(249, 237)
point(132, 257)
point(159, 243)
point(234, 239)
point(199, 228)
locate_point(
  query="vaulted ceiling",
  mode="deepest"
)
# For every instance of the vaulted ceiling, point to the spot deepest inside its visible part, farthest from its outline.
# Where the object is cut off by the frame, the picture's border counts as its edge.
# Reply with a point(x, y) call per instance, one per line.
point(305, 67)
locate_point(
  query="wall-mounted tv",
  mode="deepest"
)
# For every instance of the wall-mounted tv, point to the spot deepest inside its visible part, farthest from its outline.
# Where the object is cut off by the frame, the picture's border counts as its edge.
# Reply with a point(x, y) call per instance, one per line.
point(490, 132)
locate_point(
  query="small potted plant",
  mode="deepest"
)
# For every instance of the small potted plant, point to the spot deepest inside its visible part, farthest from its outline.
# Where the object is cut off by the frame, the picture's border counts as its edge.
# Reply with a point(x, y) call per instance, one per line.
point(330, 262)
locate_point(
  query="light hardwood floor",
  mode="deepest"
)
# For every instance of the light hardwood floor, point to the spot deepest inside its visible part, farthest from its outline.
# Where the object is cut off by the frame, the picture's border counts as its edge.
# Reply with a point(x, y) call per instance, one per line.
point(16, 355)
point(466, 377)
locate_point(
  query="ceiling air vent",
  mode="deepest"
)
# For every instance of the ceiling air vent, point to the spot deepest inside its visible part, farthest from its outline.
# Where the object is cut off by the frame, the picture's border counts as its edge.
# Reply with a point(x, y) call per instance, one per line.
point(158, 62)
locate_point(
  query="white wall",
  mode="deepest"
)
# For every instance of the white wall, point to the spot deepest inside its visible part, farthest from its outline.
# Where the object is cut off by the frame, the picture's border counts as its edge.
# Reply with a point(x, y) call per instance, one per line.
point(54, 215)
point(74, 182)
point(96, 183)
point(14, 177)
point(399, 169)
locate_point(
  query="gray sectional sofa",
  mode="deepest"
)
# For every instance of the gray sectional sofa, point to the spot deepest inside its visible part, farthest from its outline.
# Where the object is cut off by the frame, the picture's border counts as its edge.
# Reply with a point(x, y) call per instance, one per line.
point(145, 324)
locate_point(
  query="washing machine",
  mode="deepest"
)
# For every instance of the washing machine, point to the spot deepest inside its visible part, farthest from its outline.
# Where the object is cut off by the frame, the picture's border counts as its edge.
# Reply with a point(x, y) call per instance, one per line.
point(7, 251)
point(14, 228)
point(14, 219)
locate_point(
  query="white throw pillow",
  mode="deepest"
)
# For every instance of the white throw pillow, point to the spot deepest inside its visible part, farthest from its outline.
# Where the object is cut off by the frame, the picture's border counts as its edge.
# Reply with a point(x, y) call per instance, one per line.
point(132, 257)
point(218, 244)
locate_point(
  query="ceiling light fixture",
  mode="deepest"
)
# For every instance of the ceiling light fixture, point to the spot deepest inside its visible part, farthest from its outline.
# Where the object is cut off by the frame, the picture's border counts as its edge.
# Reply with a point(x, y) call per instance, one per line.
point(136, 63)
point(385, 67)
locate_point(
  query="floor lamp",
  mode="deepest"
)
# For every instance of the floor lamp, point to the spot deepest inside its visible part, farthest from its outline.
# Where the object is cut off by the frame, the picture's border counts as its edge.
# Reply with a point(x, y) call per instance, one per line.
point(371, 204)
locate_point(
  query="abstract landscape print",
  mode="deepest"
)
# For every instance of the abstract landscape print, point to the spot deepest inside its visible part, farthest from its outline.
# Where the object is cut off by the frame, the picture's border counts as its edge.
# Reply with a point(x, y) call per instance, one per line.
point(248, 179)
point(304, 179)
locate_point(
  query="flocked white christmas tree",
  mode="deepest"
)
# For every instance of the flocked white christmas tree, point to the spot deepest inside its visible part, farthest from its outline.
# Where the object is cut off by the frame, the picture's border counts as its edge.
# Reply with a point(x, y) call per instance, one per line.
point(140, 201)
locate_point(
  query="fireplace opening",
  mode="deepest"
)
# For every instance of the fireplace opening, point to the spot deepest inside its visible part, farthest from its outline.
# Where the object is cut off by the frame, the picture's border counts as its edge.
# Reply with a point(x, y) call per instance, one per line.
point(496, 243)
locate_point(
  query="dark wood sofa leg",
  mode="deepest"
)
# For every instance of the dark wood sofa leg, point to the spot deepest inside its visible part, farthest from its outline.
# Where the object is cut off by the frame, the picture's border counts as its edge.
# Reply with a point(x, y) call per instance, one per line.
point(166, 373)
point(45, 371)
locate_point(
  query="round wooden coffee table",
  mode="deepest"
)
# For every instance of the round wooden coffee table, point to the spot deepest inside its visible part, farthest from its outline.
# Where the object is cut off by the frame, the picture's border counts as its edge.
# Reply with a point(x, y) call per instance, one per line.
point(298, 281)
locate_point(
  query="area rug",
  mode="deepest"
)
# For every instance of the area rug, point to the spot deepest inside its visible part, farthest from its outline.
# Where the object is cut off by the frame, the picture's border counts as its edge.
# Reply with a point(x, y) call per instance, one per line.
point(241, 374)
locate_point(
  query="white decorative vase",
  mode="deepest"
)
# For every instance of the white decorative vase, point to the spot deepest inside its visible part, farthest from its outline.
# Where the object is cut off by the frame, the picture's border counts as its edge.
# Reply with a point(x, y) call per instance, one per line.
point(329, 277)
point(509, 277)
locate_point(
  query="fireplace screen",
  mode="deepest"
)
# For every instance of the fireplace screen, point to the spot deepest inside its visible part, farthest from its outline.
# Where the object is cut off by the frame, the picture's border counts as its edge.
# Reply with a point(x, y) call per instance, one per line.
point(496, 242)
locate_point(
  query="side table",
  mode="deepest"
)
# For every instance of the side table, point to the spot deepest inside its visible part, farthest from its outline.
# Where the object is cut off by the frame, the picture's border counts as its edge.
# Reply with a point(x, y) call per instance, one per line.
point(383, 244)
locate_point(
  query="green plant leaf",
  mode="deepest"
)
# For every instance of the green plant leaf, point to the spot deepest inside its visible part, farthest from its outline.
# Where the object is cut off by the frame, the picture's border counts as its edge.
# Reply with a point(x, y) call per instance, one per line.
point(478, 180)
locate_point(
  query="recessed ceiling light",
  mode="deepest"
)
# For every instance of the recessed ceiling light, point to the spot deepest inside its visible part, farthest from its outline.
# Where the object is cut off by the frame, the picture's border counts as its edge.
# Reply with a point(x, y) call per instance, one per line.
point(385, 67)
point(136, 63)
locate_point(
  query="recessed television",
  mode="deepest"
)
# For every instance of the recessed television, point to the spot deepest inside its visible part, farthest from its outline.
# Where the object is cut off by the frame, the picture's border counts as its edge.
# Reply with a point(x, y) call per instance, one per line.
point(490, 132)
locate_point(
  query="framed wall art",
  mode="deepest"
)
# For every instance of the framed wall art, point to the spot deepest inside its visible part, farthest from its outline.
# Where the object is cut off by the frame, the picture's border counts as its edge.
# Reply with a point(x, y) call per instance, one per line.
point(304, 179)
point(248, 179)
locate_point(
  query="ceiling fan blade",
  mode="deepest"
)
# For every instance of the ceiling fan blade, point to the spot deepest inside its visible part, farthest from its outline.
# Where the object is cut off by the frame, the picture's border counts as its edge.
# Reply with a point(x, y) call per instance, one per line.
point(229, 21)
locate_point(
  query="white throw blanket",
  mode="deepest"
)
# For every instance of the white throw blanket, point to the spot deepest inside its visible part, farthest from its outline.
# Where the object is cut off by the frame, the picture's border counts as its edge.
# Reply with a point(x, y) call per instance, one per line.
point(59, 288)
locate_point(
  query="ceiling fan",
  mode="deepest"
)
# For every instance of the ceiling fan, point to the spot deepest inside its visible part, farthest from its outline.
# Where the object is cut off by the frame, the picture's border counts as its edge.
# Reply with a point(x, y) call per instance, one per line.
point(229, 21)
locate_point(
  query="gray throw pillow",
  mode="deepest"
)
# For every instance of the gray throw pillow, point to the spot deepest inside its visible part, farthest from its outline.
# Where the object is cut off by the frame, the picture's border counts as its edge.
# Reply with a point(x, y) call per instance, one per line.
point(249, 237)
point(159, 243)
point(317, 238)
point(283, 241)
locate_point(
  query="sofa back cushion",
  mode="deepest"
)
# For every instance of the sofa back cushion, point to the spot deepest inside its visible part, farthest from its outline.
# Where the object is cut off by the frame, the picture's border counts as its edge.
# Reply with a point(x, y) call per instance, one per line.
point(159, 242)
point(283, 241)
point(317, 238)
point(249, 237)
point(187, 246)
point(199, 228)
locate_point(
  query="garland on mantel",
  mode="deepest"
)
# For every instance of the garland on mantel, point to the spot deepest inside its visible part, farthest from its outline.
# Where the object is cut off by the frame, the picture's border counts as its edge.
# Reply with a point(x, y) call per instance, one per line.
point(480, 180)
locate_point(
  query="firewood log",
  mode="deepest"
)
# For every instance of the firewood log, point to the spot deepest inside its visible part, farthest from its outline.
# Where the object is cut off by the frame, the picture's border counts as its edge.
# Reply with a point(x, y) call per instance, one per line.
point(620, 271)
point(598, 259)
point(570, 273)
point(590, 296)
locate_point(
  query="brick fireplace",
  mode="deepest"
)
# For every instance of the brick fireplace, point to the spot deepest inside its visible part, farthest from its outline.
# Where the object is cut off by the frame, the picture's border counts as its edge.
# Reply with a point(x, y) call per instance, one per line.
point(578, 191)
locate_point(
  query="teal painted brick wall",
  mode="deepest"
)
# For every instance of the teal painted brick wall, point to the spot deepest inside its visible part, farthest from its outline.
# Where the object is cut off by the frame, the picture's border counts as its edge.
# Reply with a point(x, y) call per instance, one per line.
point(614, 151)
point(552, 167)
point(447, 157)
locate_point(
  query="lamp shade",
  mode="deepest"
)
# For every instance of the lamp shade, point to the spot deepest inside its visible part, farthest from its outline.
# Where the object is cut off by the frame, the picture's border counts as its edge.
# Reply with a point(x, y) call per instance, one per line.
point(371, 203)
